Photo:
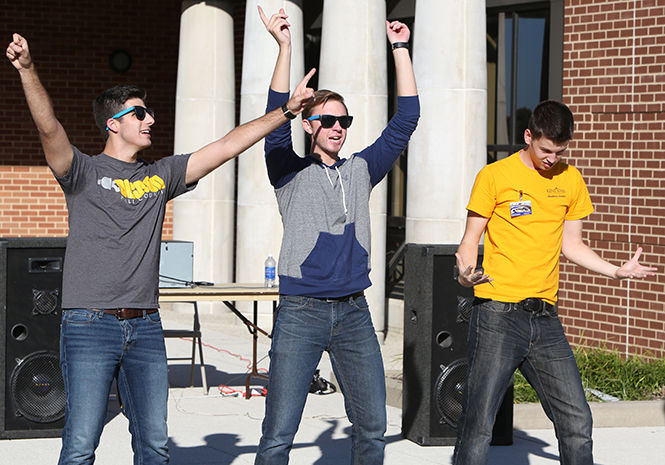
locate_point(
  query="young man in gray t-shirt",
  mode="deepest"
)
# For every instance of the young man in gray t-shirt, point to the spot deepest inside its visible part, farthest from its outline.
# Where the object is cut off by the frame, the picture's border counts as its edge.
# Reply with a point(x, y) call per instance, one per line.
point(116, 203)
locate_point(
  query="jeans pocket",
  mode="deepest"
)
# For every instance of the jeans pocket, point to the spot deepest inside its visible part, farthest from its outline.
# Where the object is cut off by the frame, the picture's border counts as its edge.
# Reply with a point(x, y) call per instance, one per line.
point(495, 306)
point(360, 303)
point(78, 317)
point(292, 303)
point(552, 312)
point(154, 318)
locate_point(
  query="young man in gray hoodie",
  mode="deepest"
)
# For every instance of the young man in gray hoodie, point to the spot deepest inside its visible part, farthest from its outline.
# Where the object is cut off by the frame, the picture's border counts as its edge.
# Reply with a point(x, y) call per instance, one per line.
point(324, 260)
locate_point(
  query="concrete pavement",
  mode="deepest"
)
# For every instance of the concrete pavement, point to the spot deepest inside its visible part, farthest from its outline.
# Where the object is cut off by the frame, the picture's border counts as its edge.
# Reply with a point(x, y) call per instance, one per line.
point(223, 430)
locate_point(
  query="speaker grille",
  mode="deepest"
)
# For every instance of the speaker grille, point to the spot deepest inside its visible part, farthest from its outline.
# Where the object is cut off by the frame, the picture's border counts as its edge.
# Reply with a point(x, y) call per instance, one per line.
point(448, 391)
point(37, 388)
point(44, 302)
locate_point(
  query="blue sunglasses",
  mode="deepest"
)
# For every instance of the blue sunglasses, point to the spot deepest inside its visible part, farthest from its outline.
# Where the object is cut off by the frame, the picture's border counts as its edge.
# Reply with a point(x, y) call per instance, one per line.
point(138, 110)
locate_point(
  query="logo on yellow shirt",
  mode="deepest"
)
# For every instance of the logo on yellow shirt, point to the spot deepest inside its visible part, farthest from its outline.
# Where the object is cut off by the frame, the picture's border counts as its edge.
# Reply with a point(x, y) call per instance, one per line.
point(556, 192)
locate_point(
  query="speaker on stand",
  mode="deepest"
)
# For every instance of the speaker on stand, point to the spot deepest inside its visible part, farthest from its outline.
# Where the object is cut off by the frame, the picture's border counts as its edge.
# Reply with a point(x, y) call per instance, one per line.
point(32, 392)
point(435, 349)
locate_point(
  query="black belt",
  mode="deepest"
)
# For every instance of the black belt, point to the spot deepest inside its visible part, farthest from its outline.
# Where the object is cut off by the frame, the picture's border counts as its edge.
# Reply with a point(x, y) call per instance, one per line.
point(127, 313)
point(531, 304)
point(344, 298)
point(535, 305)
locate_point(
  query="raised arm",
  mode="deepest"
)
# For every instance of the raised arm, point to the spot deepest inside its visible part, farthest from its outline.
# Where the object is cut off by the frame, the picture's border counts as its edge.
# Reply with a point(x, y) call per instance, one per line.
point(57, 149)
point(398, 33)
point(577, 251)
point(213, 155)
point(278, 27)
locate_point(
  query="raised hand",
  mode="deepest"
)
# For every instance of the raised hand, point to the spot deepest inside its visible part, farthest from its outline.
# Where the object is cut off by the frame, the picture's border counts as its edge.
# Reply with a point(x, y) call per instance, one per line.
point(397, 32)
point(19, 53)
point(467, 276)
point(277, 26)
point(632, 268)
point(302, 94)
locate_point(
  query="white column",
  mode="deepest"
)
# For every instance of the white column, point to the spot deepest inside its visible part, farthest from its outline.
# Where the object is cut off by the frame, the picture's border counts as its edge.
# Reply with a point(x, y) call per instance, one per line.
point(353, 63)
point(259, 224)
point(449, 146)
point(205, 111)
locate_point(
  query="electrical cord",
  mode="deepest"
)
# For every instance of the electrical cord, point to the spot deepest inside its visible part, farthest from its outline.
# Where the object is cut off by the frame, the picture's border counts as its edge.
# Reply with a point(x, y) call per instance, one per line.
point(227, 391)
point(174, 280)
point(319, 385)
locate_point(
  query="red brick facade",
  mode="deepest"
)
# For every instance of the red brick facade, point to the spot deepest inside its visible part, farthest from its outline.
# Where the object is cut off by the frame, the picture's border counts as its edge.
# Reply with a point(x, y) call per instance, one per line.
point(614, 81)
point(71, 44)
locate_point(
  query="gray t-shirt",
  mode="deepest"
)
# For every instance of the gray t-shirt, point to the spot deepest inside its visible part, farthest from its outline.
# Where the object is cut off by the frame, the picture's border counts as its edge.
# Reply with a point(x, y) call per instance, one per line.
point(116, 213)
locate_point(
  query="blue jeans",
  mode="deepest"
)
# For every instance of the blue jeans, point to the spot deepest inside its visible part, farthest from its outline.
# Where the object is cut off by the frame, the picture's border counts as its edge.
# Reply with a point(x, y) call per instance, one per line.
point(94, 349)
point(502, 338)
point(304, 328)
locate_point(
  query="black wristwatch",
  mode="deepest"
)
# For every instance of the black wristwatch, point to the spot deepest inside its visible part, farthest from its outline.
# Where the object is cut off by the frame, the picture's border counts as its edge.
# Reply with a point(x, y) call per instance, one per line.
point(287, 112)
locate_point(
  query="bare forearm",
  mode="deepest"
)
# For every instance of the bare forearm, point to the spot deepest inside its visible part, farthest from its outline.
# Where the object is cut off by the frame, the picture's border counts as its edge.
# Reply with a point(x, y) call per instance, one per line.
point(231, 145)
point(39, 102)
point(406, 80)
point(57, 149)
point(468, 251)
point(281, 75)
point(584, 256)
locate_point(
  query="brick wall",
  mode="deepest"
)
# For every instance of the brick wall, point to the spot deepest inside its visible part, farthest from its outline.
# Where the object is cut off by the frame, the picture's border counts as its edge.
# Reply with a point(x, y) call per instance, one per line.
point(71, 44)
point(614, 82)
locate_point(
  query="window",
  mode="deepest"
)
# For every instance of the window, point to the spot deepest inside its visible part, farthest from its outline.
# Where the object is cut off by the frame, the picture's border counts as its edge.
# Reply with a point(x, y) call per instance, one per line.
point(524, 67)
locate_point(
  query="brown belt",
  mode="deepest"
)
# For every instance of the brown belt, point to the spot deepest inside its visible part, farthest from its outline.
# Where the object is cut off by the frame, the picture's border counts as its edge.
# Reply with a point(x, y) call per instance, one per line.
point(128, 313)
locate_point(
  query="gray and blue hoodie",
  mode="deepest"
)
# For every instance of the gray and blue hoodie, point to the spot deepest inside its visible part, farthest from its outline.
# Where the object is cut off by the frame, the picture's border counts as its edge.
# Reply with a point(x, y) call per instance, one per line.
point(325, 209)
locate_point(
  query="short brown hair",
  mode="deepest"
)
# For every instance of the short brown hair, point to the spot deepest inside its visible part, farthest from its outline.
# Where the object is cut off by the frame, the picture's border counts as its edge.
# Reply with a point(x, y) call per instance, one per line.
point(553, 120)
point(321, 96)
point(111, 101)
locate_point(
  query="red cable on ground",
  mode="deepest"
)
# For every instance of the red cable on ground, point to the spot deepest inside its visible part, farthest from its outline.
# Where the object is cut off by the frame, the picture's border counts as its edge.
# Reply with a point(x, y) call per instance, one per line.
point(227, 390)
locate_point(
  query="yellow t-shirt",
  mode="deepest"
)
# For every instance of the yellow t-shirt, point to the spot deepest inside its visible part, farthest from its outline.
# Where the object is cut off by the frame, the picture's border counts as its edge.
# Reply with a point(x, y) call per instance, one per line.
point(522, 249)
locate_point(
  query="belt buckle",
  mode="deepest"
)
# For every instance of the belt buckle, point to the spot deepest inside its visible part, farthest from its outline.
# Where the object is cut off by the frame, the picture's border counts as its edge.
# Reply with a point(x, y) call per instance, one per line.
point(532, 305)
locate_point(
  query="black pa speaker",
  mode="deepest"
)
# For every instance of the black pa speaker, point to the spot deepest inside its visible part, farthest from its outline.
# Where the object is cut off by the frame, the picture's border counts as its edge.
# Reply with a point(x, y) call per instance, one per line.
point(32, 391)
point(435, 348)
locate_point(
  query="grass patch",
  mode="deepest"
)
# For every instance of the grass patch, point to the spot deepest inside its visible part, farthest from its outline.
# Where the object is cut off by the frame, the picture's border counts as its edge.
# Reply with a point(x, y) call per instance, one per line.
point(633, 378)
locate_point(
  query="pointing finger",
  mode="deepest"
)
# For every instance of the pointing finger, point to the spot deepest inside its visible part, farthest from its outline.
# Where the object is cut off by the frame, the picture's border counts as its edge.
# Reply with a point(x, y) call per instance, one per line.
point(263, 16)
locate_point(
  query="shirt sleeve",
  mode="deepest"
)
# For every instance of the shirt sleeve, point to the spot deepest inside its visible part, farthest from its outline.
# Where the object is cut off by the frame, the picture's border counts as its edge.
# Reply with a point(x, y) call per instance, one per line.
point(174, 170)
point(71, 180)
point(580, 204)
point(483, 194)
point(381, 155)
point(281, 160)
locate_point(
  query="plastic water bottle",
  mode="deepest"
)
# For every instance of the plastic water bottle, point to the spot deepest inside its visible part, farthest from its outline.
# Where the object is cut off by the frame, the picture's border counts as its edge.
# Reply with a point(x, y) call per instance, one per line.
point(270, 271)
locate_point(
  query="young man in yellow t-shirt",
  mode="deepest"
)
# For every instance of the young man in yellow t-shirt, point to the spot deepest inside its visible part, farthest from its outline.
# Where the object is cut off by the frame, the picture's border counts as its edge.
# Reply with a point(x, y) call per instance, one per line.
point(530, 206)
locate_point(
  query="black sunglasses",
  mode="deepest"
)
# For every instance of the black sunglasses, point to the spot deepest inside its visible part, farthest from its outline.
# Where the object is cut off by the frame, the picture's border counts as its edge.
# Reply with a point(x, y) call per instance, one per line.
point(328, 121)
point(138, 110)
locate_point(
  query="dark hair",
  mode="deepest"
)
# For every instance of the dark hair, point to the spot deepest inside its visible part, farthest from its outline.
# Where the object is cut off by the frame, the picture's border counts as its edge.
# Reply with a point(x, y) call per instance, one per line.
point(553, 120)
point(111, 101)
point(322, 96)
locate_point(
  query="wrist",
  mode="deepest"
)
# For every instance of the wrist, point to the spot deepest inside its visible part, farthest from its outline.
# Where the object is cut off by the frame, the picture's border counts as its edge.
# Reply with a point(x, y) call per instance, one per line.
point(616, 274)
point(26, 69)
point(396, 45)
point(288, 113)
